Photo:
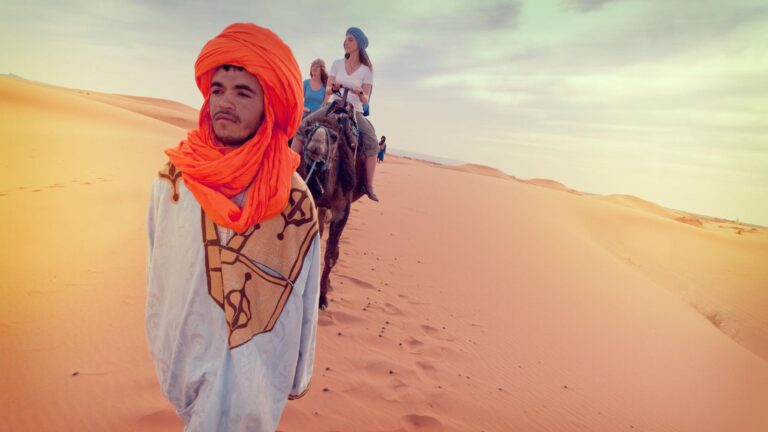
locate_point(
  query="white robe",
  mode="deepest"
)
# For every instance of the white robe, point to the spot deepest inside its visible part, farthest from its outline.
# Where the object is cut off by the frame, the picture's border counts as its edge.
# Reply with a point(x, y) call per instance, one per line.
point(215, 387)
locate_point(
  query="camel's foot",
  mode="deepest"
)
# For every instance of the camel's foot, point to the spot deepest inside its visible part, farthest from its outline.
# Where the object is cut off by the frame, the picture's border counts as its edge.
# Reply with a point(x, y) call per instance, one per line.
point(323, 302)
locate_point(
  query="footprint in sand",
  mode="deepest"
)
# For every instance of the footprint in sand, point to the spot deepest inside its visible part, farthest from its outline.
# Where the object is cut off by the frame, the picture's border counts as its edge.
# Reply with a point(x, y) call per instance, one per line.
point(413, 343)
point(399, 391)
point(435, 333)
point(410, 300)
point(387, 308)
point(415, 422)
point(428, 329)
point(360, 282)
point(55, 186)
point(340, 318)
point(392, 309)
point(428, 369)
point(324, 320)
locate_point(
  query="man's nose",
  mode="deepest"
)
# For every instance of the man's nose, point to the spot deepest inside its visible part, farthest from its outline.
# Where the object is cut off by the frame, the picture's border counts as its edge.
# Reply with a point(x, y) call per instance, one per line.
point(225, 101)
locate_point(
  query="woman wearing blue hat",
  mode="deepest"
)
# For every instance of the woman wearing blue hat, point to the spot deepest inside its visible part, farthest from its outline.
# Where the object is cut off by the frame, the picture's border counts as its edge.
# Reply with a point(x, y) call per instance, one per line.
point(355, 72)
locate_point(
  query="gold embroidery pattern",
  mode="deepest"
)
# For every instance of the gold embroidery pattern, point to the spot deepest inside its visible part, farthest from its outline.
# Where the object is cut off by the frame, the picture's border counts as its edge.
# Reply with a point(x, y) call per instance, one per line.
point(252, 276)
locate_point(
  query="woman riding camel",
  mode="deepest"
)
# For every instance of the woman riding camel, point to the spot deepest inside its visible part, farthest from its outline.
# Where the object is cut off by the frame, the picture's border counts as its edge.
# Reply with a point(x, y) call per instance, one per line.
point(314, 87)
point(354, 72)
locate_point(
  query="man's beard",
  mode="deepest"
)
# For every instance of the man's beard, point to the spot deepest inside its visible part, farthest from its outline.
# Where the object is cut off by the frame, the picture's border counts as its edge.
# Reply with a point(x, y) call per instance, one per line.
point(235, 142)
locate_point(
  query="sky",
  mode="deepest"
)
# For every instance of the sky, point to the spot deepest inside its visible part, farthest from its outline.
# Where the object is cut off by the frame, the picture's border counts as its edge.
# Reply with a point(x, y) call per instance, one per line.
point(664, 100)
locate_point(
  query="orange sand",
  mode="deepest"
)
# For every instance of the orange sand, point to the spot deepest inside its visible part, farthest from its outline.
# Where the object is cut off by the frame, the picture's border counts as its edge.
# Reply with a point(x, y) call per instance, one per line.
point(465, 300)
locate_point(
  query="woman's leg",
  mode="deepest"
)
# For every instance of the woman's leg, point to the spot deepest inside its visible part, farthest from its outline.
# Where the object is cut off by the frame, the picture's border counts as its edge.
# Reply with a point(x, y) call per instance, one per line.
point(370, 144)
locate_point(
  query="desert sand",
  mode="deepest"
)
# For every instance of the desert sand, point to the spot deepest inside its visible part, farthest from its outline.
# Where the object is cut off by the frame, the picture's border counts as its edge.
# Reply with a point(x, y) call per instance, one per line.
point(467, 300)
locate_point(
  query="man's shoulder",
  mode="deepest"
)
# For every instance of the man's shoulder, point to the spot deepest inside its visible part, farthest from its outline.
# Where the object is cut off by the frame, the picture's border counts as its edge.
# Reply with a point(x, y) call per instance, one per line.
point(169, 174)
point(168, 170)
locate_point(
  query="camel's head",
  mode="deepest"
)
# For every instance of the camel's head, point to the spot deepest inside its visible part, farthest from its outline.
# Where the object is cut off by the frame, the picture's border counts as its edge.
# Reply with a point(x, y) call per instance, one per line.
point(319, 143)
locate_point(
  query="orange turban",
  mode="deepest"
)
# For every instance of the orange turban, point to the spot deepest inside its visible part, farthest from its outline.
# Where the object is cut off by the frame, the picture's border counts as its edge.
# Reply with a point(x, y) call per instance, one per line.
point(264, 164)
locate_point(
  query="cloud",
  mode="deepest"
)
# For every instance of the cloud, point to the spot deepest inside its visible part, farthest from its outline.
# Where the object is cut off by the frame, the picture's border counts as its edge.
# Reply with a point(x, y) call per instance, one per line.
point(585, 5)
point(650, 34)
point(467, 17)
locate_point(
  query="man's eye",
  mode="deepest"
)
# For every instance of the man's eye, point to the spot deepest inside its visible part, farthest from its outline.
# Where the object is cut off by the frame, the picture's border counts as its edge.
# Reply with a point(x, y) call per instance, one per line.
point(245, 95)
point(215, 91)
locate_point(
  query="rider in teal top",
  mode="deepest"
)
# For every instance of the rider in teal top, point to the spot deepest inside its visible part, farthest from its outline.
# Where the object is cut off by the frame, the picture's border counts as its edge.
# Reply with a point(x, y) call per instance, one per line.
point(314, 88)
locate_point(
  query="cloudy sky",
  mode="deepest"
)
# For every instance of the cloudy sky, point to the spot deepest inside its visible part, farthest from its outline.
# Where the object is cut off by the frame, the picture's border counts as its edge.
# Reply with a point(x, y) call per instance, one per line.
point(666, 100)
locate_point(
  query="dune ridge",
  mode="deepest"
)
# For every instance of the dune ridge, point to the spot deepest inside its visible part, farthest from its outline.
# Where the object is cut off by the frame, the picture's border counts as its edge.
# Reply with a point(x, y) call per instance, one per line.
point(174, 113)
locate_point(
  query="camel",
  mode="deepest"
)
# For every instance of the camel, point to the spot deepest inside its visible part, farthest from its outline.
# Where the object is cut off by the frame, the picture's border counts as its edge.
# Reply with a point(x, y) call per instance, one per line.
point(334, 168)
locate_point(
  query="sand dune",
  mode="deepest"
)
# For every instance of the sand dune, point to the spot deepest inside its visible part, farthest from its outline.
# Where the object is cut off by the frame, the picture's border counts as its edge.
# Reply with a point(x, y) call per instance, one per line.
point(548, 184)
point(479, 169)
point(465, 300)
point(641, 204)
point(174, 113)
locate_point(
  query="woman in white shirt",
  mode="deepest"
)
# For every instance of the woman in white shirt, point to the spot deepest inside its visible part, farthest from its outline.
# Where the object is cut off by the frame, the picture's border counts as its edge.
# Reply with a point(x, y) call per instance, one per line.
point(355, 72)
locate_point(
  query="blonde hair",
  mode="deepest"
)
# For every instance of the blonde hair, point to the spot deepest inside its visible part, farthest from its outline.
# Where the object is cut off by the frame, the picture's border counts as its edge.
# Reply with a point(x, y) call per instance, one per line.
point(323, 73)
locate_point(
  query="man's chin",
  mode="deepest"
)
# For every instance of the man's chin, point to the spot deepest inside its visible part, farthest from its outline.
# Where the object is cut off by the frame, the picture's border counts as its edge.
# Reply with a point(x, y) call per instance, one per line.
point(231, 141)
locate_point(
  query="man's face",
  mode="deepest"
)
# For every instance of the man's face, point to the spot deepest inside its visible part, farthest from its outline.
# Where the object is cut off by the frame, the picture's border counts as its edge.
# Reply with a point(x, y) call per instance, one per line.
point(236, 106)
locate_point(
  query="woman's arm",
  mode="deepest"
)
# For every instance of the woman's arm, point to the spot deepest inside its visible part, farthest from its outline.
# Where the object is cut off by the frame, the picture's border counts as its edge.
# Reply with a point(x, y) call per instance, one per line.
point(329, 87)
point(364, 92)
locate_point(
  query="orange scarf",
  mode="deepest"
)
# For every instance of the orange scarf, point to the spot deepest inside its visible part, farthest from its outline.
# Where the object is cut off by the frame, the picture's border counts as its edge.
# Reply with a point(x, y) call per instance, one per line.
point(264, 164)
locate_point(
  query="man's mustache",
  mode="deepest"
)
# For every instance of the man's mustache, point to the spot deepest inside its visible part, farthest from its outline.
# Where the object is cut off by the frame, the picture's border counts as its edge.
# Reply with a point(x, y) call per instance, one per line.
point(229, 114)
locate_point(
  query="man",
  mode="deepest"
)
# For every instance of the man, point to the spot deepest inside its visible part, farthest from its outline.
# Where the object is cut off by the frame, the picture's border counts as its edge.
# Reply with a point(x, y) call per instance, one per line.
point(234, 253)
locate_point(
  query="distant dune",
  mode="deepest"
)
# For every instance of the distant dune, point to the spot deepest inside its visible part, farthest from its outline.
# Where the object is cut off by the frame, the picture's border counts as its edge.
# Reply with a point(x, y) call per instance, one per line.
point(641, 205)
point(479, 169)
point(174, 113)
point(548, 184)
point(465, 300)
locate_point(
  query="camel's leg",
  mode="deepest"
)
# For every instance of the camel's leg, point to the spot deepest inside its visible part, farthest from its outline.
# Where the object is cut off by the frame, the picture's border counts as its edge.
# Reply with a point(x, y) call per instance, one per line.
point(332, 253)
point(321, 215)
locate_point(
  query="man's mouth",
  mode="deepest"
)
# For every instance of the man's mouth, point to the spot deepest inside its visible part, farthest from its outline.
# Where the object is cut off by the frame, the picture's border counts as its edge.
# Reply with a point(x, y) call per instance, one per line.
point(226, 117)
